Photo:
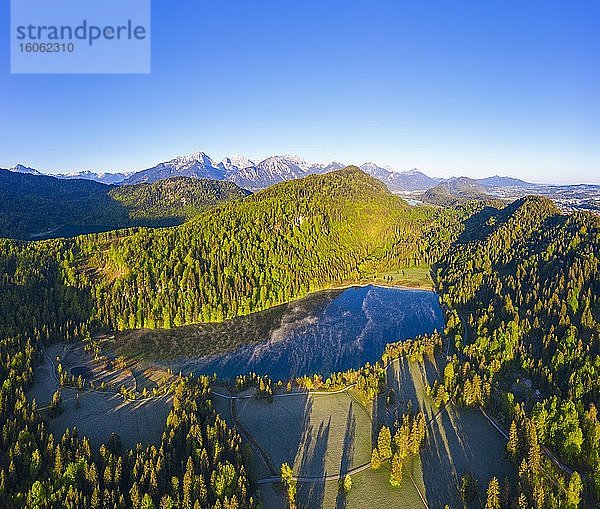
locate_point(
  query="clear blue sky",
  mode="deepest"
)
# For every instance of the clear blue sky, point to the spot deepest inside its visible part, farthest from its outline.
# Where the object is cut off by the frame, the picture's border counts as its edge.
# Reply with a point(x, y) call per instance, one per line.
point(472, 88)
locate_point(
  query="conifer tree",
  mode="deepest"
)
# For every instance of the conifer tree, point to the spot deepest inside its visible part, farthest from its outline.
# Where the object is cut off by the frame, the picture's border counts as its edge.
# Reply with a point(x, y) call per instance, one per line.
point(493, 495)
point(384, 443)
point(375, 459)
point(396, 471)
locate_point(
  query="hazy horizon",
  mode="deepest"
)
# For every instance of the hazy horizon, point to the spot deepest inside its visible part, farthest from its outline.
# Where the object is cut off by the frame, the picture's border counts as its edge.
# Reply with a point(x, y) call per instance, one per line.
point(405, 168)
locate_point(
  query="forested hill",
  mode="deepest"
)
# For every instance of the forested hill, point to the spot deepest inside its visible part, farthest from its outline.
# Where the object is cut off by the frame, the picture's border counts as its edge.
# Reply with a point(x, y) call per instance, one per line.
point(525, 286)
point(248, 255)
point(173, 200)
point(32, 204)
point(236, 257)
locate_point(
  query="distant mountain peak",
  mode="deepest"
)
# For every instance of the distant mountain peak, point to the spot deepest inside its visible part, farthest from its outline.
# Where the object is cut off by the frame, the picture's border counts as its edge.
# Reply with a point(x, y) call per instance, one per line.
point(237, 161)
point(369, 164)
point(200, 157)
point(104, 177)
point(503, 181)
point(21, 168)
point(407, 181)
point(198, 165)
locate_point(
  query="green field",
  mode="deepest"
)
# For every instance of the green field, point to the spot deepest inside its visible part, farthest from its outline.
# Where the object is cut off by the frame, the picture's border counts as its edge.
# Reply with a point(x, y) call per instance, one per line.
point(412, 277)
point(327, 434)
point(318, 435)
point(459, 440)
point(371, 489)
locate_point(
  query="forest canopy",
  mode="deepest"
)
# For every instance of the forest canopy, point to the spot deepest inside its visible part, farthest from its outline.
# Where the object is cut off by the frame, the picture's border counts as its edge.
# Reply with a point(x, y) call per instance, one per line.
point(520, 286)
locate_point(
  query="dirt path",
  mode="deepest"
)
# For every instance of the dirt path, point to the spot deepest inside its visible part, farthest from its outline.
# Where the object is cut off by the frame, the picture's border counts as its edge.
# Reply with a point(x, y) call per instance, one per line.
point(412, 479)
point(323, 478)
point(244, 432)
point(547, 452)
point(566, 470)
point(286, 394)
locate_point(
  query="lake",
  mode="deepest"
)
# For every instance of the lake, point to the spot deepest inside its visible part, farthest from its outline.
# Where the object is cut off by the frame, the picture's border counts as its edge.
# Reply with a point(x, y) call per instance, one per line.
point(327, 332)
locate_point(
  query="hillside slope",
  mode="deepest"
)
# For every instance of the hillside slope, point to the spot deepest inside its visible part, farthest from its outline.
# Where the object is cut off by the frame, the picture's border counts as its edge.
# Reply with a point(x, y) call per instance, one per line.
point(174, 200)
point(524, 287)
point(248, 255)
point(31, 204)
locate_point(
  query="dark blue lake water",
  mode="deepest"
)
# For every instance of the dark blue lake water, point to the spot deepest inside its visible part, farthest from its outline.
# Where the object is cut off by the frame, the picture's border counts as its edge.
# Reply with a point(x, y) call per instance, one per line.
point(337, 331)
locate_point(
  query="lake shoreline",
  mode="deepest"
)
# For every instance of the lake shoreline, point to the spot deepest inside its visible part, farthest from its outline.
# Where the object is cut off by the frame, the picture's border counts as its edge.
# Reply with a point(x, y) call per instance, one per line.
point(377, 284)
point(337, 329)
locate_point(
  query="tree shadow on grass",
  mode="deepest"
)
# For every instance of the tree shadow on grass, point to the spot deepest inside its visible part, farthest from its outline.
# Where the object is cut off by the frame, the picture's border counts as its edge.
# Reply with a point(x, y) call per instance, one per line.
point(461, 441)
point(275, 430)
point(313, 464)
point(400, 380)
point(440, 473)
point(347, 455)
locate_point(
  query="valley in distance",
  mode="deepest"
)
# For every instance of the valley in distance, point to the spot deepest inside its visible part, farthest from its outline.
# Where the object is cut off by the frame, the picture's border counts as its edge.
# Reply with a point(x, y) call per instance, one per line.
point(282, 334)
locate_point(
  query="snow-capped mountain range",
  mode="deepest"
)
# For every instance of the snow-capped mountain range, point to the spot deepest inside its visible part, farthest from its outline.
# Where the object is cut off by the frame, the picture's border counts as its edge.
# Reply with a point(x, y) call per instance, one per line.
point(255, 175)
point(103, 177)
point(244, 172)
point(20, 168)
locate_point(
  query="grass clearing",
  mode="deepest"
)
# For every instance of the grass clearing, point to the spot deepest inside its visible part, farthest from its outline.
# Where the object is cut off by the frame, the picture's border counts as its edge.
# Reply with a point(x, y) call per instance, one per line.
point(73, 355)
point(412, 277)
point(371, 489)
point(317, 434)
point(418, 277)
point(98, 415)
point(459, 440)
